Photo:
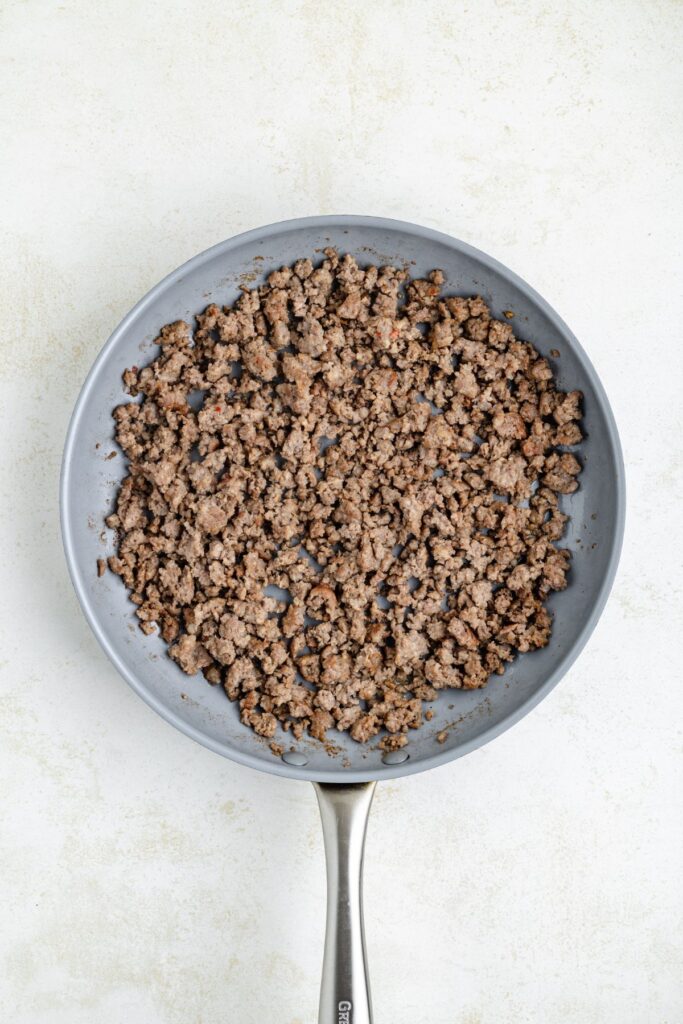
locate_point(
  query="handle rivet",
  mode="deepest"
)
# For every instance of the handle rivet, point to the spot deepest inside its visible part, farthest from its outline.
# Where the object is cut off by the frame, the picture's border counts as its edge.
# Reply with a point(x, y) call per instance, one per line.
point(295, 758)
point(395, 757)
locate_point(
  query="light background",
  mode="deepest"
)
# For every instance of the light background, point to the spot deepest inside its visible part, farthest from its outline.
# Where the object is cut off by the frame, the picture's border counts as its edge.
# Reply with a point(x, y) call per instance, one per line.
point(144, 880)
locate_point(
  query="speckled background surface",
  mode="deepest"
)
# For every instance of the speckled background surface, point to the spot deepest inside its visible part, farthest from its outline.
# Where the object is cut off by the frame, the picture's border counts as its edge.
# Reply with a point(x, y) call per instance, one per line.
point(143, 880)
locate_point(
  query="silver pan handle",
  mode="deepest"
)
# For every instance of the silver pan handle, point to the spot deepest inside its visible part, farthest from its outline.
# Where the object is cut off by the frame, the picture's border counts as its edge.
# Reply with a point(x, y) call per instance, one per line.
point(345, 987)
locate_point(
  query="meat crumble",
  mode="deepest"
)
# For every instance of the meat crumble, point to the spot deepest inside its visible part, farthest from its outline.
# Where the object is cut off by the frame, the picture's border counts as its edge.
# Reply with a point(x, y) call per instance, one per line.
point(343, 497)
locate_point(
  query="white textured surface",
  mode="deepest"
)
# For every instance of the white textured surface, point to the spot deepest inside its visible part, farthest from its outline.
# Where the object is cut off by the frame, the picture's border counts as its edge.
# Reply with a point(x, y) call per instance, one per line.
point(144, 880)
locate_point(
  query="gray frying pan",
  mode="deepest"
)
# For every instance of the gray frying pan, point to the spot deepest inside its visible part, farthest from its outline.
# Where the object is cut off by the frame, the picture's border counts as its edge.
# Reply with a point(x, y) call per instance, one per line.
point(344, 783)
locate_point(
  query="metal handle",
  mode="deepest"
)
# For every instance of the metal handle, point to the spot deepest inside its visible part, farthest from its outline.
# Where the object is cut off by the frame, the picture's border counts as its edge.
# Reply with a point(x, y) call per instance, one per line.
point(345, 986)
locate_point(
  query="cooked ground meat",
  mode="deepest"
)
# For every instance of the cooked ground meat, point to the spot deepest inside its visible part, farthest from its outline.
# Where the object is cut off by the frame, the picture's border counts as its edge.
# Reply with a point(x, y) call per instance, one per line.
point(343, 497)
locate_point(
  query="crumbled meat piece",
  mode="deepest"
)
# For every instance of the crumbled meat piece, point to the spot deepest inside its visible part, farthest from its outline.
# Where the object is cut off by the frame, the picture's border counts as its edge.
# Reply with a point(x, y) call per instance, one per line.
point(364, 508)
point(568, 409)
point(509, 424)
point(507, 474)
point(190, 655)
point(393, 741)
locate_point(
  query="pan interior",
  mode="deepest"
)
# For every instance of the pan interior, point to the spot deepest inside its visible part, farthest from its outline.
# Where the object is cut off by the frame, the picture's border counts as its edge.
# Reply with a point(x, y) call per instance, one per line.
point(90, 479)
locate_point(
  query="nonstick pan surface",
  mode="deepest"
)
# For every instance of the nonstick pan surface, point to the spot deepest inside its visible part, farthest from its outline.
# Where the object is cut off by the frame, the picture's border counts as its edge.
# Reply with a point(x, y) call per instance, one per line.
point(90, 479)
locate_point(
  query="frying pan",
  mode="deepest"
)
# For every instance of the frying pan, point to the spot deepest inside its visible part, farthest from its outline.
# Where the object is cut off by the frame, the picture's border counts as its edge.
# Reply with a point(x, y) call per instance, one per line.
point(344, 783)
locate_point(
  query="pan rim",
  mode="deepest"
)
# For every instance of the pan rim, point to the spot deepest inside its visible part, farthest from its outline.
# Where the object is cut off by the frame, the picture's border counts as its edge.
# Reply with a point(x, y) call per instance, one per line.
point(336, 773)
